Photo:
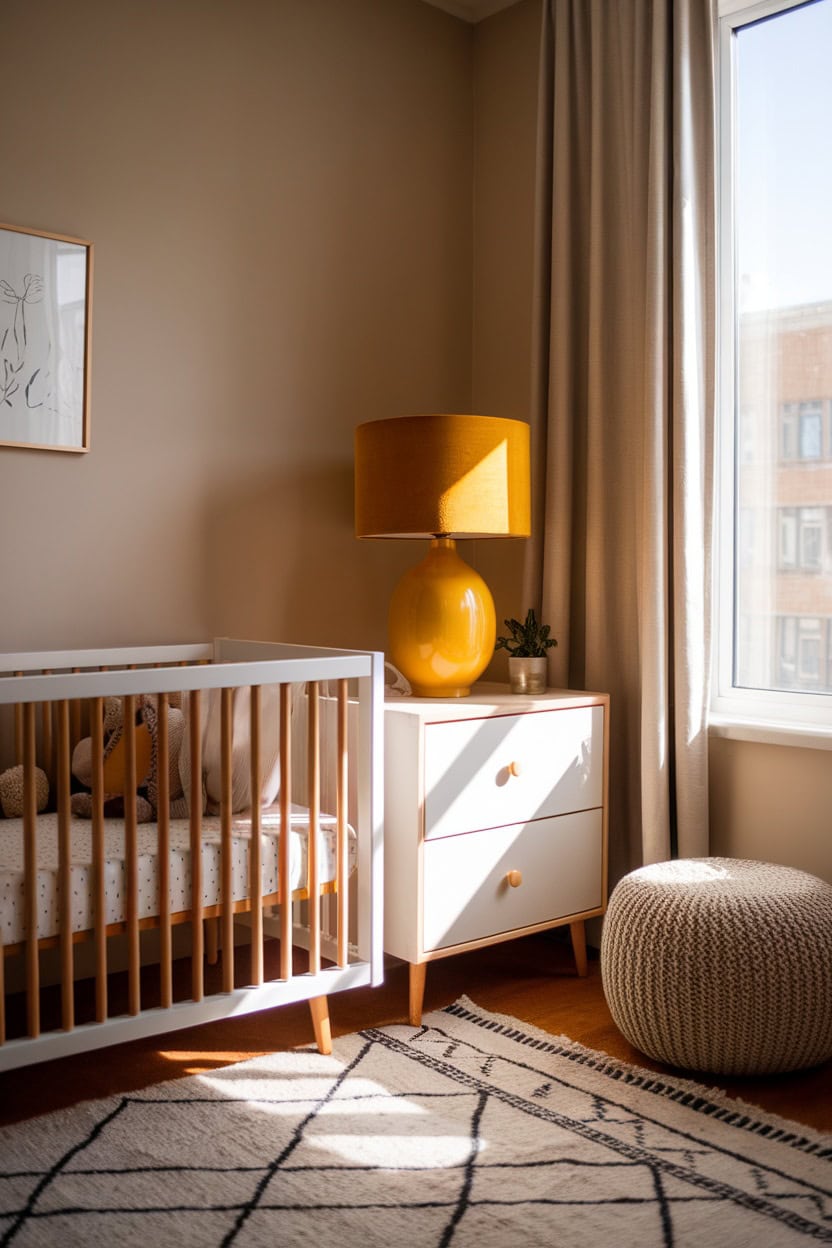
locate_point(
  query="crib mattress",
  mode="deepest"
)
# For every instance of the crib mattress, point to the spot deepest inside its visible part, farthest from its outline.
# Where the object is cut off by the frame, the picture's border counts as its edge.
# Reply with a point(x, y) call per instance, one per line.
point(12, 910)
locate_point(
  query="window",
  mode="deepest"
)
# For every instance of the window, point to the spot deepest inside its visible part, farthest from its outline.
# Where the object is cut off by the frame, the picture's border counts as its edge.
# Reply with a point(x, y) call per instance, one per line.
point(811, 538)
point(800, 536)
point(773, 634)
point(802, 431)
point(801, 651)
point(809, 651)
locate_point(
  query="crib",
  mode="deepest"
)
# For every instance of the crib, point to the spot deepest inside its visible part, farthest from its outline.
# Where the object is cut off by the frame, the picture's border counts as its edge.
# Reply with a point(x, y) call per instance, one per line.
point(235, 830)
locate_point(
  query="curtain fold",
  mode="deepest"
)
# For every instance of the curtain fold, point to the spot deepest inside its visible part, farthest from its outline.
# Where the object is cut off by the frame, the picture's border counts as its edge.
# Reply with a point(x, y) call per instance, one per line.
point(623, 395)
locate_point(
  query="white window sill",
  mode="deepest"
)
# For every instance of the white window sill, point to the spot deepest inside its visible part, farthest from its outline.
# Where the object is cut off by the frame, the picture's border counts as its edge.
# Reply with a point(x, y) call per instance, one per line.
point(736, 728)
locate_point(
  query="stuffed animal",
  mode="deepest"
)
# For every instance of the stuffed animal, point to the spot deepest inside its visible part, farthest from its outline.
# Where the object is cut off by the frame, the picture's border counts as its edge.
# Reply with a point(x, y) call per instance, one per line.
point(11, 791)
point(147, 781)
point(176, 733)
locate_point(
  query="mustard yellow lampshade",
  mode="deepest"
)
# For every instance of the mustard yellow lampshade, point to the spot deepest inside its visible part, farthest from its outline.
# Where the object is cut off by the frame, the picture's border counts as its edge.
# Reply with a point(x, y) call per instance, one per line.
point(442, 477)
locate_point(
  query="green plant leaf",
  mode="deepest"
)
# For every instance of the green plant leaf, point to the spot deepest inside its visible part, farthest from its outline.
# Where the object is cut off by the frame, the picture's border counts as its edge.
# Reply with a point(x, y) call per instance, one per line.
point(527, 640)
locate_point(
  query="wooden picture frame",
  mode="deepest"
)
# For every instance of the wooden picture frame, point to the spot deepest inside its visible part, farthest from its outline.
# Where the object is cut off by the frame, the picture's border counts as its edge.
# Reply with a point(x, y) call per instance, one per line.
point(45, 339)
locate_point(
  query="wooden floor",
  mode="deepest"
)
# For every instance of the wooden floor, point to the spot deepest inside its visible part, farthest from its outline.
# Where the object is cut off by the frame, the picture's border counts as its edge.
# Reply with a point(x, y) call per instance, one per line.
point(532, 979)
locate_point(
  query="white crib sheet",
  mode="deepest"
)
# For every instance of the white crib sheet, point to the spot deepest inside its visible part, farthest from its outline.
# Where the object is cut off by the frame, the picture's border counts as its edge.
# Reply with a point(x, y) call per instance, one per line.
point(12, 928)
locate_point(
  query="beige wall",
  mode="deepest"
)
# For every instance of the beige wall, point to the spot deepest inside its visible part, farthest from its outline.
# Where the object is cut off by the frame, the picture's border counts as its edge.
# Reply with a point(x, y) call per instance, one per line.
point(279, 194)
point(772, 802)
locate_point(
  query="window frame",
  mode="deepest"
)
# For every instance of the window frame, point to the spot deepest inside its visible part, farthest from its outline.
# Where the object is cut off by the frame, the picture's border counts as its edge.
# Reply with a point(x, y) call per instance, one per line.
point(774, 715)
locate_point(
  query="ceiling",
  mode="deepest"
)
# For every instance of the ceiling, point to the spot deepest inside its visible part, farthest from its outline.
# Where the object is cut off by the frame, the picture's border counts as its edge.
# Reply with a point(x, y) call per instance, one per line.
point(472, 10)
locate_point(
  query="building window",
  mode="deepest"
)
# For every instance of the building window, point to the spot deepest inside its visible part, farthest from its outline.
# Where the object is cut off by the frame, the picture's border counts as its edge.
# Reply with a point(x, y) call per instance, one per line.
point(801, 431)
point(803, 651)
point(809, 652)
point(800, 539)
point(774, 595)
point(811, 539)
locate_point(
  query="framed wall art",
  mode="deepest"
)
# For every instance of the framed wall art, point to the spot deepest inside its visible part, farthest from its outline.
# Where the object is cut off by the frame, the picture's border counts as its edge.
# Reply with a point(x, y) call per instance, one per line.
point(45, 340)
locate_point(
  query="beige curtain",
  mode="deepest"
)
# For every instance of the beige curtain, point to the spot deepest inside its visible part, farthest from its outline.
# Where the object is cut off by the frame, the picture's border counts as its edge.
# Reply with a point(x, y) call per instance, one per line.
point(624, 377)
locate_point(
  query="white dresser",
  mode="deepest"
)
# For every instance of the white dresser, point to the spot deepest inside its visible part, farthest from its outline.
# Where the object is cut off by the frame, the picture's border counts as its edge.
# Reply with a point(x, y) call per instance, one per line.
point(495, 816)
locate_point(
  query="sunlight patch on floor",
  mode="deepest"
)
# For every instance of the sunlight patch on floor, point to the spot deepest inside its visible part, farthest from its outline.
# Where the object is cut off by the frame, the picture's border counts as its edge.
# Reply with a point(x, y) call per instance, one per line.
point(427, 1151)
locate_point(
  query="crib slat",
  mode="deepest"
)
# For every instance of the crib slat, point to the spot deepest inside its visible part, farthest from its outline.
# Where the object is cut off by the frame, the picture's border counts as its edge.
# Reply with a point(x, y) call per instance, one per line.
point(255, 874)
point(18, 730)
point(46, 735)
point(197, 935)
point(64, 750)
point(226, 745)
point(283, 870)
point(341, 814)
point(163, 825)
point(100, 914)
point(30, 871)
point(75, 719)
point(312, 865)
point(131, 784)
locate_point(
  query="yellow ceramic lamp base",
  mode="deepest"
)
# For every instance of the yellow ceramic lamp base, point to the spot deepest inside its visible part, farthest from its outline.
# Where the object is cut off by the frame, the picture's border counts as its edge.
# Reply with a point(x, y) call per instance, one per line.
point(442, 624)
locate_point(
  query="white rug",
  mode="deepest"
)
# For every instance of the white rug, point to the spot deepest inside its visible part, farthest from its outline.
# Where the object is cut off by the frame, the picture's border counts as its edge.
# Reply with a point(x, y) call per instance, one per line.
point(473, 1129)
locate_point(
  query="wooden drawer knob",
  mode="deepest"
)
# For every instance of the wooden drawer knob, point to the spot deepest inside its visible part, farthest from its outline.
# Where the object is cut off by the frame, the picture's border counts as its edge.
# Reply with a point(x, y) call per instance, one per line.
point(515, 768)
point(515, 878)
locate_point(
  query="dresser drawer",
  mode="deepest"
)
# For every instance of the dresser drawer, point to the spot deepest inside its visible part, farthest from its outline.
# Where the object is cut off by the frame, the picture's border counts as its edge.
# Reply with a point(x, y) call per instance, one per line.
point(466, 892)
point(484, 773)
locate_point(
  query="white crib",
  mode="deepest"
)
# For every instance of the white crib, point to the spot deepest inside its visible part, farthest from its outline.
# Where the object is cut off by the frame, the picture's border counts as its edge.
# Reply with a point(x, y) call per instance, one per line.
point(297, 730)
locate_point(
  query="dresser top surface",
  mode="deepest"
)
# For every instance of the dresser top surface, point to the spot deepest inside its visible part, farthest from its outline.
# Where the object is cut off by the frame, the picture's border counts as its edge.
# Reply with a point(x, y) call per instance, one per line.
point(488, 698)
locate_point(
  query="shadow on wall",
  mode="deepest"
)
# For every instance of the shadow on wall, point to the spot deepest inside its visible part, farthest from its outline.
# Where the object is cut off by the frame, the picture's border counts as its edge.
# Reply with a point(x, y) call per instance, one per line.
point(280, 562)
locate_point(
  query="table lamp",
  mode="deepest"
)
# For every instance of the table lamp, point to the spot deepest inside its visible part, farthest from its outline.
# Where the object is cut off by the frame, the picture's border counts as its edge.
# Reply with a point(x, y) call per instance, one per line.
point(440, 478)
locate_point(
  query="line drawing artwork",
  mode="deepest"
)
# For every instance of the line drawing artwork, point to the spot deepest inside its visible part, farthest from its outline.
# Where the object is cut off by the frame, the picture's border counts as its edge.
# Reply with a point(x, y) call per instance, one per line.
point(32, 292)
point(44, 340)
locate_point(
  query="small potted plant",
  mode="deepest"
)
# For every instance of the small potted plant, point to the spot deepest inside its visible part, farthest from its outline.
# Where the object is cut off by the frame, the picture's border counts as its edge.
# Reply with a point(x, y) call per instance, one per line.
point(527, 644)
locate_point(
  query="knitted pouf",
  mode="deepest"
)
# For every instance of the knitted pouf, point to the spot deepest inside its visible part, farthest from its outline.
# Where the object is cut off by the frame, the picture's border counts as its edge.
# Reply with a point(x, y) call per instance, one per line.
point(723, 965)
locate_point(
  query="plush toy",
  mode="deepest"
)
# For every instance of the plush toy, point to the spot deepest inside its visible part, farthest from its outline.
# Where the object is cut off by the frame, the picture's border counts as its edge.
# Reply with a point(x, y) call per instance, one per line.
point(147, 781)
point(11, 791)
point(176, 733)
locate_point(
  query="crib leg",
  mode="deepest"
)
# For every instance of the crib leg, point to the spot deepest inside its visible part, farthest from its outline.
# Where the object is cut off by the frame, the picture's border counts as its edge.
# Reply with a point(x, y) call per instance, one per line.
point(212, 941)
point(319, 1009)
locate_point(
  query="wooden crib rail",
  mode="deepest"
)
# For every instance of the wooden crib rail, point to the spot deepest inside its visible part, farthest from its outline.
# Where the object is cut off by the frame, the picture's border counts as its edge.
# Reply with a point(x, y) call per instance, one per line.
point(72, 701)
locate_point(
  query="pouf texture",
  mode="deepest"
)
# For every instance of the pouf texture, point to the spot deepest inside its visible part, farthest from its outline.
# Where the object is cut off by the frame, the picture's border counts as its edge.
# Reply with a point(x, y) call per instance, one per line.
point(721, 965)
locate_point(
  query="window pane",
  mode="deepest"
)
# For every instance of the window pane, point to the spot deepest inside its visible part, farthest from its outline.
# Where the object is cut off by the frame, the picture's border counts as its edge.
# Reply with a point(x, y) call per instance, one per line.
point(783, 336)
point(811, 431)
point(811, 538)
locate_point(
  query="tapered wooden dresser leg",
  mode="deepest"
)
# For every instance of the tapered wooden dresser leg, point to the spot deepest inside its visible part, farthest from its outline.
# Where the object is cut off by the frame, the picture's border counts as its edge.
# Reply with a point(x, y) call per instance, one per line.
point(578, 933)
point(418, 973)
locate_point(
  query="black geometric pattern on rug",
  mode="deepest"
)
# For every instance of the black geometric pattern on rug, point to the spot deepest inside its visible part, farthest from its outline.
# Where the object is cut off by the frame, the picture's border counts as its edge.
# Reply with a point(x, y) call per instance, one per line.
point(468, 1130)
